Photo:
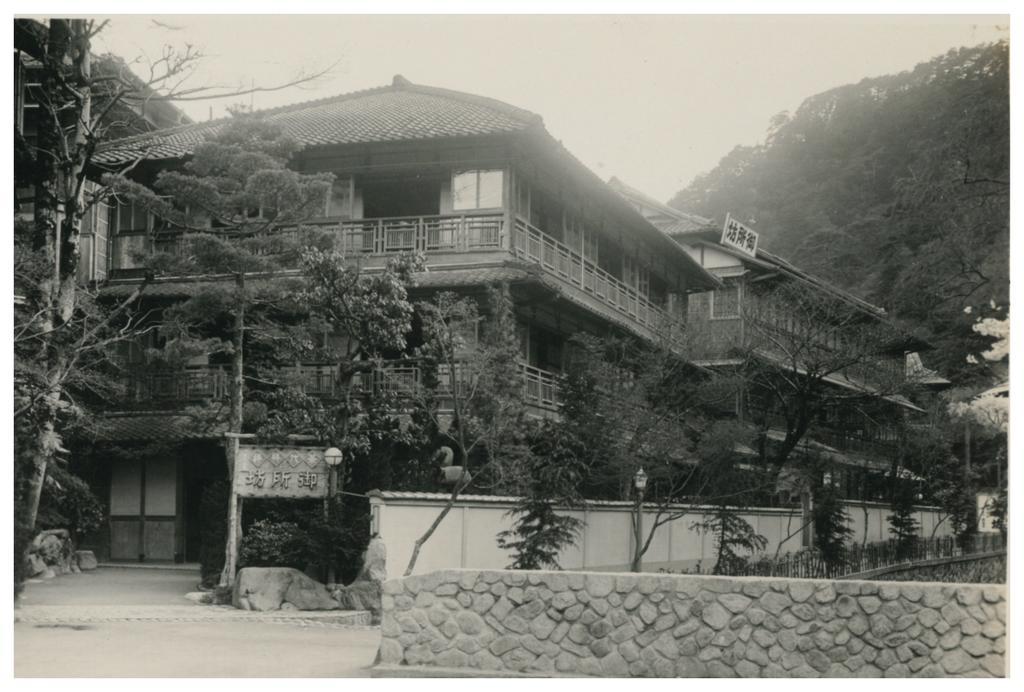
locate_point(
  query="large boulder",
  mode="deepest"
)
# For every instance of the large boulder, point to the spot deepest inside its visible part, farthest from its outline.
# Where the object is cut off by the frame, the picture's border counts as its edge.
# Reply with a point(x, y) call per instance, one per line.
point(359, 595)
point(364, 593)
point(85, 559)
point(268, 588)
point(374, 562)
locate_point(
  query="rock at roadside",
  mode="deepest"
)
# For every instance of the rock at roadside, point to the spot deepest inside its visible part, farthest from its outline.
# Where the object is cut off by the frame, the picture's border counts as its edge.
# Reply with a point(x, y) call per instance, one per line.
point(364, 593)
point(268, 588)
point(36, 565)
point(86, 560)
point(374, 562)
point(359, 595)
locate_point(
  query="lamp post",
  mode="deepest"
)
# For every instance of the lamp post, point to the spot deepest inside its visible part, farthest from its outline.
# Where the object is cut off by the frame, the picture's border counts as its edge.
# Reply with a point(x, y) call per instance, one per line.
point(333, 456)
point(640, 484)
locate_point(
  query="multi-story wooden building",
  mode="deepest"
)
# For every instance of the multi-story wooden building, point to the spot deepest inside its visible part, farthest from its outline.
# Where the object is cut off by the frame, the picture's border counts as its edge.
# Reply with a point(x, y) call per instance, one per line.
point(859, 426)
point(479, 186)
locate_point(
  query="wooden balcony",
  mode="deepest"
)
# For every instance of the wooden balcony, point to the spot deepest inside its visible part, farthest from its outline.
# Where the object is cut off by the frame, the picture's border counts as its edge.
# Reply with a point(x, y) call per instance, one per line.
point(195, 385)
point(561, 261)
point(879, 442)
point(384, 236)
point(540, 387)
point(174, 388)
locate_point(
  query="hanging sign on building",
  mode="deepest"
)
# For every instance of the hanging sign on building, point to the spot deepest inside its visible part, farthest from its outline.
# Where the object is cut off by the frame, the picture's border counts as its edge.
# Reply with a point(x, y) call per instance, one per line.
point(295, 472)
point(735, 234)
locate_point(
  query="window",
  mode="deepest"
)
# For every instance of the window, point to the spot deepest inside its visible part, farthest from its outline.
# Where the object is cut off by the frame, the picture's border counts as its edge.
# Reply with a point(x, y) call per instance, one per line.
point(95, 223)
point(131, 217)
point(339, 199)
point(477, 190)
point(725, 302)
point(522, 197)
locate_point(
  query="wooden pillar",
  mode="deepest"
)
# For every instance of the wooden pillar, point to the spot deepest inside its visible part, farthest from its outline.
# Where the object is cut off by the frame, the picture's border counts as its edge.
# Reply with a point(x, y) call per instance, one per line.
point(179, 511)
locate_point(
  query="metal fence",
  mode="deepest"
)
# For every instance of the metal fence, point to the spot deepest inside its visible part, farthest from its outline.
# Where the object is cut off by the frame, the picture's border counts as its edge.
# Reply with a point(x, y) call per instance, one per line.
point(810, 564)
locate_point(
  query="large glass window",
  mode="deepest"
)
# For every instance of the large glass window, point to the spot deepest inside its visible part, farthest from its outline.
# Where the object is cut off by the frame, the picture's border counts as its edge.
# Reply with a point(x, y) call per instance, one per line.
point(477, 190)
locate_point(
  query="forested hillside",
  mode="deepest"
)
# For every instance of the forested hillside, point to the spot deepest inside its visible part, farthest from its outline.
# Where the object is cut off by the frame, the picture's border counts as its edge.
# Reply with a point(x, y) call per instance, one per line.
point(896, 188)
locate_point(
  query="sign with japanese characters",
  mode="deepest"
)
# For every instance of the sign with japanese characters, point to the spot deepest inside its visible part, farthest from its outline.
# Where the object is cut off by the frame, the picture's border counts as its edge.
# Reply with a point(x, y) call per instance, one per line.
point(736, 235)
point(295, 472)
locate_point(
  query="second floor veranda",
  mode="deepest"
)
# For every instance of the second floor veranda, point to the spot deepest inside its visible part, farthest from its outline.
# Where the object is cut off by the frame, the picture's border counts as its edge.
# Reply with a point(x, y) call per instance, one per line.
point(456, 240)
point(401, 384)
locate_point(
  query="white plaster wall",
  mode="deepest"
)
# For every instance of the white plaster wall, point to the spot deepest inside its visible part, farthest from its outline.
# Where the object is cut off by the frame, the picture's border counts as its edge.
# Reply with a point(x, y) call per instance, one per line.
point(467, 536)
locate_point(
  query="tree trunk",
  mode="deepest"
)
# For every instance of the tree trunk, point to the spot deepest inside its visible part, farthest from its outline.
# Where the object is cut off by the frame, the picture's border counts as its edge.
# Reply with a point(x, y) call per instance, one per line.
point(57, 186)
point(459, 487)
point(236, 390)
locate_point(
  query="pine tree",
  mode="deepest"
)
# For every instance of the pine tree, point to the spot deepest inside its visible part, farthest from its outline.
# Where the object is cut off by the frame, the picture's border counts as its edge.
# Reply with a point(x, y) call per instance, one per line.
point(903, 524)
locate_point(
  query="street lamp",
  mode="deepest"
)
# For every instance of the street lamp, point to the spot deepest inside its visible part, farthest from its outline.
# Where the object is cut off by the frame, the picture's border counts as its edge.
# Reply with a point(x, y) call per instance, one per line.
point(333, 456)
point(640, 484)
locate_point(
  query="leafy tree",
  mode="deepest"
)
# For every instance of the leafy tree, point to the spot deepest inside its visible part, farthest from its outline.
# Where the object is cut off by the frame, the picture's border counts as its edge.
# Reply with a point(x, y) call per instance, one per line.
point(729, 489)
point(472, 393)
point(62, 334)
point(911, 212)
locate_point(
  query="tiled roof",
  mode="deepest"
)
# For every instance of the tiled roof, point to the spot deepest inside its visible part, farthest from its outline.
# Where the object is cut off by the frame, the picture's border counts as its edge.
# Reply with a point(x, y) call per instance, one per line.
point(159, 425)
point(401, 111)
point(668, 219)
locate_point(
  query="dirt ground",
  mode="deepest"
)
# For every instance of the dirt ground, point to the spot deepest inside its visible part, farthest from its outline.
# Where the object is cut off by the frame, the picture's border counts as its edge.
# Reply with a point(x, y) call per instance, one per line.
point(98, 632)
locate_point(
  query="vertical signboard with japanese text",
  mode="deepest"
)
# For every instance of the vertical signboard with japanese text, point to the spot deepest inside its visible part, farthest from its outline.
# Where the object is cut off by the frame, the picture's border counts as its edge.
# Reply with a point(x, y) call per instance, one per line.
point(743, 238)
point(294, 472)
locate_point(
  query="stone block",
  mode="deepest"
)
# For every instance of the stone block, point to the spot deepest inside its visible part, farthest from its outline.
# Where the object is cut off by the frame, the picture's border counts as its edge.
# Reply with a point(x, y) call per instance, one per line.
point(85, 560)
point(614, 665)
point(715, 616)
point(601, 647)
point(566, 663)
point(957, 661)
point(774, 602)
point(469, 622)
point(518, 659)
point(994, 664)
point(600, 585)
point(734, 602)
point(800, 590)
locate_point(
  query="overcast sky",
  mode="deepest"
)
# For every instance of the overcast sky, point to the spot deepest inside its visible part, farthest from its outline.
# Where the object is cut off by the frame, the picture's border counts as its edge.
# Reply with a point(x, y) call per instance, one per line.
point(654, 100)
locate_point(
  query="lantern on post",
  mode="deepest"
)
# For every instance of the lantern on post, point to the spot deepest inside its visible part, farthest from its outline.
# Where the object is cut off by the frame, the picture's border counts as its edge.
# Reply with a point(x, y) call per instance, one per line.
point(333, 456)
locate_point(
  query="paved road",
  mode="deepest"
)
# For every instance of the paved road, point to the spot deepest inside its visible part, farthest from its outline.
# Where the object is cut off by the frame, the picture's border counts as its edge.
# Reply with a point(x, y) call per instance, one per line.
point(192, 649)
point(113, 586)
point(137, 623)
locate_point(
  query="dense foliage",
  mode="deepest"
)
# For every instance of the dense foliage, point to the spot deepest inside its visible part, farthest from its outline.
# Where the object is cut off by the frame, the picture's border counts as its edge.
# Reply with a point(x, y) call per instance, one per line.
point(896, 188)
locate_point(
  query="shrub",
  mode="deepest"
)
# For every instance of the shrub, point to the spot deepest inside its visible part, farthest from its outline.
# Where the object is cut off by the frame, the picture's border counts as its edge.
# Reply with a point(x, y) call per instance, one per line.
point(68, 503)
point(275, 544)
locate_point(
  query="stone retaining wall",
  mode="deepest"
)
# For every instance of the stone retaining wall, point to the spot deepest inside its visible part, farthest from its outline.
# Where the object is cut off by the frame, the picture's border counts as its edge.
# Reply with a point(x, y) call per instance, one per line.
point(577, 623)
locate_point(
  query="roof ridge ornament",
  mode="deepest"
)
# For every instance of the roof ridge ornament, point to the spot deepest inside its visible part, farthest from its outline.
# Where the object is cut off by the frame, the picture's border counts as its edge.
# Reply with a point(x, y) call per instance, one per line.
point(400, 81)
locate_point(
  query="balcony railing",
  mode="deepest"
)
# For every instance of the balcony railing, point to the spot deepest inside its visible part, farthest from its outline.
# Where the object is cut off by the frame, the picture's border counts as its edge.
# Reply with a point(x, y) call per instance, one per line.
point(207, 383)
point(880, 442)
point(530, 243)
point(540, 387)
point(176, 387)
point(392, 235)
point(420, 233)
